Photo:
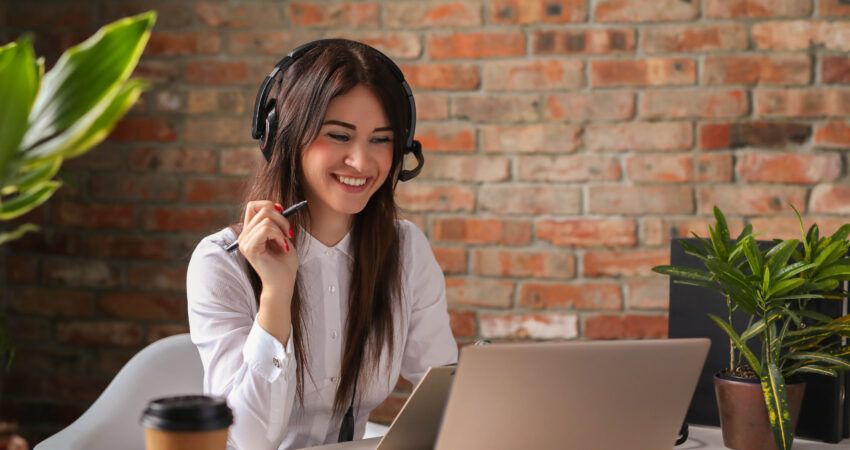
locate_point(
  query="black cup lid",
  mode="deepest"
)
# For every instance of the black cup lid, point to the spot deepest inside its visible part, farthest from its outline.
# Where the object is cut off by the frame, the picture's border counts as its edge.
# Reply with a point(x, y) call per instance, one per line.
point(187, 413)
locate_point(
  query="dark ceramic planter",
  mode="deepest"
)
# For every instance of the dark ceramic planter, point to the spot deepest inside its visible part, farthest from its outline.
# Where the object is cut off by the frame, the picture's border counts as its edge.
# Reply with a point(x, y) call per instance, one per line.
point(743, 413)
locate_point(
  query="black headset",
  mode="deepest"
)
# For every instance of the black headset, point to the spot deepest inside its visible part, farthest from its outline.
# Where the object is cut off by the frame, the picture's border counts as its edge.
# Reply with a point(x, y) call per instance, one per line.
point(264, 125)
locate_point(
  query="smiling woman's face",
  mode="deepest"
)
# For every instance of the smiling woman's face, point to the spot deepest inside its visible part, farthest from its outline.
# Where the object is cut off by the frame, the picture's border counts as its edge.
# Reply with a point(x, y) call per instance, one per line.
point(351, 157)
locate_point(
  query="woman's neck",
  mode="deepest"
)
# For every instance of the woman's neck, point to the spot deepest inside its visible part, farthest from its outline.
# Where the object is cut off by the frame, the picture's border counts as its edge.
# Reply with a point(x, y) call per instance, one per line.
point(327, 226)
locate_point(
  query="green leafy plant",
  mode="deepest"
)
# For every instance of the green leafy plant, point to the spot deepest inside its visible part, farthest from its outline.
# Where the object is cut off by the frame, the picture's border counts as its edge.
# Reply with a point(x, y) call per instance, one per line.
point(47, 118)
point(773, 287)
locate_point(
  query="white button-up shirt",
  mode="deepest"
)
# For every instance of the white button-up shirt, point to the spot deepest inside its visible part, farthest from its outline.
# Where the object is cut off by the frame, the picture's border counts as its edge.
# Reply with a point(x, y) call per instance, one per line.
point(257, 373)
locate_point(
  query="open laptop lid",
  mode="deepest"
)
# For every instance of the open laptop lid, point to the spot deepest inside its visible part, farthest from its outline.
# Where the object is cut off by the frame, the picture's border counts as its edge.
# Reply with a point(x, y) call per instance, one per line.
point(416, 425)
point(584, 395)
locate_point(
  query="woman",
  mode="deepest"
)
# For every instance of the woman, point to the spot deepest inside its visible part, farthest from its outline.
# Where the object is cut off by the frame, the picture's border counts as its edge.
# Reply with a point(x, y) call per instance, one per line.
point(323, 311)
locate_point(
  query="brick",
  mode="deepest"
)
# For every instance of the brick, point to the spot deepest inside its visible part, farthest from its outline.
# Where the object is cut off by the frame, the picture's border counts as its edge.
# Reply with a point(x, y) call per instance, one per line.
point(536, 11)
point(642, 72)
point(694, 38)
point(169, 101)
point(588, 41)
point(630, 326)
point(183, 43)
point(663, 231)
point(416, 14)
point(269, 43)
point(417, 219)
point(362, 14)
point(714, 167)
point(115, 186)
point(143, 129)
point(170, 218)
point(702, 103)
point(62, 15)
point(157, 332)
point(218, 73)
point(625, 263)
point(479, 292)
point(29, 329)
point(660, 168)
point(50, 241)
point(641, 11)
point(169, 15)
point(582, 296)
point(93, 216)
point(104, 156)
point(451, 259)
point(635, 200)
point(226, 101)
point(22, 268)
point(533, 326)
point(133, 247)
point(589, 106)
point(481, 231)
point(476, 45)
point(102, 333)
point(733, 9)
point(803, 102)
point(432, 106)
point(835, 69)
point(789, 228)
point(80, 273)
point(541, 74)
point(157, 277)
point(52, 358)
point(523, 263)
point(431, 198)
point(400, 44)
point(217, 130)
point(788, 168)
point(529, 199)
point(835, 134)
point(172, 160)
point(72, 387)
point(585, 233)
point(756, 134)
point(135, 305)
point(749, 200)
point(773, 68)
point(446, 137)
point(512, 108)
point(801, 34)
point(536, 138)
point(467, 168)
point(241, 160)
point(638, 136)
point(156, 71)
point(830, 198)
point(443, 76)
point(462, 323)
point(568, 168)
point(219, 190)
point(648, 293)
point(828, 8)
point(232, 15)
point(52, 302)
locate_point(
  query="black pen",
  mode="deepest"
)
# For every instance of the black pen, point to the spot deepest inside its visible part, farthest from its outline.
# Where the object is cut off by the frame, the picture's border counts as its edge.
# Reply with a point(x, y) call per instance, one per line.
point(286, 213)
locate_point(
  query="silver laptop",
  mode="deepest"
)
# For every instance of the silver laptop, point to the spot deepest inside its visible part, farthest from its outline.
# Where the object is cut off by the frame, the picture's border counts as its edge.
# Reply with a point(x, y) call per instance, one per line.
point(584, 395)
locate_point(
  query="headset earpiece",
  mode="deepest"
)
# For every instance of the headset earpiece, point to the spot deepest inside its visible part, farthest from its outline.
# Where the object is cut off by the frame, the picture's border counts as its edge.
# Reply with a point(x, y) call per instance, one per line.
point(416, 149)
point(270, 131)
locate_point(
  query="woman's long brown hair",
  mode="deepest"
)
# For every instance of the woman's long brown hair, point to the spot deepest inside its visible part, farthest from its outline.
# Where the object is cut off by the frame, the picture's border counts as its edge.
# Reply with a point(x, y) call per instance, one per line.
point(304, 91)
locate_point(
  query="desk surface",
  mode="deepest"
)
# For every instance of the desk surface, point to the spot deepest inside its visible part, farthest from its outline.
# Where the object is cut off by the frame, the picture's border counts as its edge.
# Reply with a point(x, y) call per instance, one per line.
point(703, 438)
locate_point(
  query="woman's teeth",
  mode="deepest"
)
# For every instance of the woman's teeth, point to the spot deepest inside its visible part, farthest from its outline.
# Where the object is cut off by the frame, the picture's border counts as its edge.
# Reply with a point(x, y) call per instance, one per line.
point(351, 181)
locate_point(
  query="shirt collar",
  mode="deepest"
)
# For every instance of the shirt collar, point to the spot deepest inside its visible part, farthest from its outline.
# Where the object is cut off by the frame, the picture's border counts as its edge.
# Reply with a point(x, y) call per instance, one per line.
point(309, 247)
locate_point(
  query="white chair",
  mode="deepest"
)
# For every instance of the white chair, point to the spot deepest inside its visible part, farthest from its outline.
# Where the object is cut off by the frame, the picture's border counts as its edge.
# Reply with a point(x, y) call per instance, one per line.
point(169, 366)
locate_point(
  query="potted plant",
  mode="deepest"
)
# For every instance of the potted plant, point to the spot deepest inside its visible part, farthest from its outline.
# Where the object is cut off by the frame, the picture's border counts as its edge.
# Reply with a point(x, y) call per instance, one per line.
point(46, 118)
point(773, 287)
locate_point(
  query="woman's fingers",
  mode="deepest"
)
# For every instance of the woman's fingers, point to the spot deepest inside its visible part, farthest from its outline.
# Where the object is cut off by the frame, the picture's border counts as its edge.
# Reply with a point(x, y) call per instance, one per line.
point(258, 211)
point(258, 236)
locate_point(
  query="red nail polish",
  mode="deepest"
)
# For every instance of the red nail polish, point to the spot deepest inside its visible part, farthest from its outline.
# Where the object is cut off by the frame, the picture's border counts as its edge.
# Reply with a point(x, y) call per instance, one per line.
point(291, 233)
point(278, 208)
point(287, 245)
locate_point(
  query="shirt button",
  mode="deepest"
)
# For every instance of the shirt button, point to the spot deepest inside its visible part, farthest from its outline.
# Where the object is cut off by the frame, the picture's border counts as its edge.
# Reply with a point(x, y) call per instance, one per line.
point(276, 362)
point(334, 334)
point(334, 379)
point(332, 289)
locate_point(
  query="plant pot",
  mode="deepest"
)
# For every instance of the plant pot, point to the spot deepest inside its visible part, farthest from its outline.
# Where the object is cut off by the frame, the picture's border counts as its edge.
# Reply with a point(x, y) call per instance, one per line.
point(743, 413)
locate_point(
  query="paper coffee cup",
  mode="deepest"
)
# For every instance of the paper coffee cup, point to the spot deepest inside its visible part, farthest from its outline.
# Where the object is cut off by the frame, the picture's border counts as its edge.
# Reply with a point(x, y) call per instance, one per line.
point(187, 422)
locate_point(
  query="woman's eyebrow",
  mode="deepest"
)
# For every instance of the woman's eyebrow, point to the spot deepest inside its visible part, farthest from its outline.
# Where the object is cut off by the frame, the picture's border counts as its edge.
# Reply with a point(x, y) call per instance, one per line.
point(348, 125)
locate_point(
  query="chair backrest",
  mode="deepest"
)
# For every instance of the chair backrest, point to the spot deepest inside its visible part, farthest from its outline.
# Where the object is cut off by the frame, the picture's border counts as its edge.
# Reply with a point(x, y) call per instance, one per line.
point(170, 366)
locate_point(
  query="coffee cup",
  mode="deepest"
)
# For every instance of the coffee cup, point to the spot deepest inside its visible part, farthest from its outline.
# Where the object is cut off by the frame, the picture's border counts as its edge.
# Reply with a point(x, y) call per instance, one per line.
point(186, 422)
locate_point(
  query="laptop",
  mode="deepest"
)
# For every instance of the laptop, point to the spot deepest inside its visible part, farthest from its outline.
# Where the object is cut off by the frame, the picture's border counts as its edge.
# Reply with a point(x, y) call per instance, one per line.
point(587, 395)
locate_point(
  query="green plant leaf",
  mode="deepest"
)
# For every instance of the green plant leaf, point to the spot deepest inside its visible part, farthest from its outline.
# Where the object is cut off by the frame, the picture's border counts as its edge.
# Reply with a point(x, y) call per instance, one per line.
point(820, 317)
point(748, 230)
point(722, 228)
point(806, 246)
point(683, 272)
point(841, 234)
point(778, 256)
point(718, 243)
point(778, 409)
point(16, 234)
point(753, 255)
point(739, 344)
point(785, 286)
point(693, 250)
point(27, 201)
point(701, 284)
point(87, 73)
point(708, 247)
point(791, 270)
point(29, 177)
point(758, 326)
point(820, 357)
point(813, 368)
point(19, 76)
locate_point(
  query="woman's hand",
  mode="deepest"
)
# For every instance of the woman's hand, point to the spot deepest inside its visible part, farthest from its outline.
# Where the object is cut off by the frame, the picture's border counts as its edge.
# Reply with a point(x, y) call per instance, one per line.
point(265, 244)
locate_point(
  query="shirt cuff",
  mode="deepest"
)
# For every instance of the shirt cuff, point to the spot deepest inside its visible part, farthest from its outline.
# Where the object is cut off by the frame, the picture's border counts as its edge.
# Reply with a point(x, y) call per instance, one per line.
point(266, 355)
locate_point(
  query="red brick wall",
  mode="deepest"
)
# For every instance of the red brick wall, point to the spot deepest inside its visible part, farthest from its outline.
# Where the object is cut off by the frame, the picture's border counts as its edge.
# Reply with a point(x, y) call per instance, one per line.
point(567, 141)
